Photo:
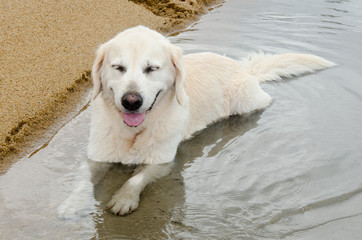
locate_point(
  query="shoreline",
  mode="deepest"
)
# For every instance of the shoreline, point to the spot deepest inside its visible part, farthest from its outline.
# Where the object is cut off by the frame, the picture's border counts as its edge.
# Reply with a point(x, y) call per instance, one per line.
point(49, 49)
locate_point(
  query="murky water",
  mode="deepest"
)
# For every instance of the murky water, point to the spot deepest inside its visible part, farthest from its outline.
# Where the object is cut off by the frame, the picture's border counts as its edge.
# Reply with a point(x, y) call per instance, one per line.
point(293, 170)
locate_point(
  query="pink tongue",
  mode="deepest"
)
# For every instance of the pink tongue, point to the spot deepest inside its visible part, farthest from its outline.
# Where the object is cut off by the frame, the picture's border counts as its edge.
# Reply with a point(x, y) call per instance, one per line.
point(133, 119)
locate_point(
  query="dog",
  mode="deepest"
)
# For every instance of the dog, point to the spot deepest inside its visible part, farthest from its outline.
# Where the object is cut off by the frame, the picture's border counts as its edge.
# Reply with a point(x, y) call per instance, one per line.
point(147, 97)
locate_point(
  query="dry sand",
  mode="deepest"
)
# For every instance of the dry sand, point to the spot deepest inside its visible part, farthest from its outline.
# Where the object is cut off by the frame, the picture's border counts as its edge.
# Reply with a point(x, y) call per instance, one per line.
point(47, 49)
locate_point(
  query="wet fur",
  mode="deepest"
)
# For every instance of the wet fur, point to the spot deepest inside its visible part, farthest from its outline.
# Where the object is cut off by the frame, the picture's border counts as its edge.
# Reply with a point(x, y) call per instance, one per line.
point(196, 90)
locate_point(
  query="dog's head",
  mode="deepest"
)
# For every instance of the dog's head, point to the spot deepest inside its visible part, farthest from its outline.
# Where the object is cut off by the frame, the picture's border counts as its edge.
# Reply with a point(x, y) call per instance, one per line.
point(134, 70)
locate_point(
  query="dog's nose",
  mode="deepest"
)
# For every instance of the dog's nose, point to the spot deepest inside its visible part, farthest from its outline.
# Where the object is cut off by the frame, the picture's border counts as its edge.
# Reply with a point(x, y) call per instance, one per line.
point(132, 101)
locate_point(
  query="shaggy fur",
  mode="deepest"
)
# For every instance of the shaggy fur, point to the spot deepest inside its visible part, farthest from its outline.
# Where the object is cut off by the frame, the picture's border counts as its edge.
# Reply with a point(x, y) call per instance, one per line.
point(181, 95)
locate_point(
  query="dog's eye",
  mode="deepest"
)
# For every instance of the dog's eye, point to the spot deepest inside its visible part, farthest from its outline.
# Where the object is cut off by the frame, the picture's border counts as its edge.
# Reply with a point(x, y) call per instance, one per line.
point(150, 69)
point(120, 68)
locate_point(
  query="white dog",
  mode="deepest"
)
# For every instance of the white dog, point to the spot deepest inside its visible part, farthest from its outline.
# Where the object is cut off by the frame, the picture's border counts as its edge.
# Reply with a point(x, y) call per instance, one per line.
point(148, 97)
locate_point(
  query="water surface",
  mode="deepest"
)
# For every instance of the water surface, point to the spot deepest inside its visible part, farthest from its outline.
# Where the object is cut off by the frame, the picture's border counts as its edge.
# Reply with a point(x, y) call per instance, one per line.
point(291, 171)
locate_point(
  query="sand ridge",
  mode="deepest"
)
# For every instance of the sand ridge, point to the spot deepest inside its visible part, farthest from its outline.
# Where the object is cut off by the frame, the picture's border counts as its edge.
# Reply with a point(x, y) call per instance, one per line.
point(47, 49)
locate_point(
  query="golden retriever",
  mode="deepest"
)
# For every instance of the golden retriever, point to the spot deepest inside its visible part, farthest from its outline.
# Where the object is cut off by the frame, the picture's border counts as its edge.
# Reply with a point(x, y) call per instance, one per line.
point(148, 97)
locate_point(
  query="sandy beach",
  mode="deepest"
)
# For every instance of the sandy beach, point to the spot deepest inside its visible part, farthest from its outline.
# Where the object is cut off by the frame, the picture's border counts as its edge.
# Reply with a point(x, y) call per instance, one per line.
point(47, 49)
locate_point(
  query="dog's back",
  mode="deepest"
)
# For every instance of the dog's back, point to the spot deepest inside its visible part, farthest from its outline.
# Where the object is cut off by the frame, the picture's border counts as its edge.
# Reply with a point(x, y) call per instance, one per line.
point(219, 86)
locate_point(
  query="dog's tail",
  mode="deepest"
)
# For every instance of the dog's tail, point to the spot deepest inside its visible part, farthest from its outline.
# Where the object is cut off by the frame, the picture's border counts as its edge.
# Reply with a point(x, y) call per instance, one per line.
point(268, 67)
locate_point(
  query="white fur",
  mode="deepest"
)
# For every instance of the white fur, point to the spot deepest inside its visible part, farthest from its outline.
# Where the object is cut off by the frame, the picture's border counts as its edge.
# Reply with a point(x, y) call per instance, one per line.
point(196, 90)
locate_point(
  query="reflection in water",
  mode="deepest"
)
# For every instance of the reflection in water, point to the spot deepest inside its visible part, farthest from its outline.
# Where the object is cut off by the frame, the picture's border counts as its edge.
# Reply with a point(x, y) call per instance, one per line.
point(291, 171)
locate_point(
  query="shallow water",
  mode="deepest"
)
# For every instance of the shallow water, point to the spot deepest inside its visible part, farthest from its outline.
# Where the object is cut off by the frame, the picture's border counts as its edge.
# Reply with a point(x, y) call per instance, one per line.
point(291, 171)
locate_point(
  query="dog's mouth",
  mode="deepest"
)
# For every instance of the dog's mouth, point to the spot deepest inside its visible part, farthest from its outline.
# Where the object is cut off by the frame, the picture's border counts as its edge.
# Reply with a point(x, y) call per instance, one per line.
point(134, 119)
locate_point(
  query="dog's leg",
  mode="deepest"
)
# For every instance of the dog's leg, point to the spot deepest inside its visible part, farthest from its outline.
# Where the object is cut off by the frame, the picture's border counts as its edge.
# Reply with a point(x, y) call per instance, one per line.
point(81, 200)
point(98, 170)
point(126, 199)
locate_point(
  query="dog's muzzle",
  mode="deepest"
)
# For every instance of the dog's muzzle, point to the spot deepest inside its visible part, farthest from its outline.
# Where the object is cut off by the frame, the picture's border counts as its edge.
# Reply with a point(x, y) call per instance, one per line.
point(132, 101)
point(154, 101)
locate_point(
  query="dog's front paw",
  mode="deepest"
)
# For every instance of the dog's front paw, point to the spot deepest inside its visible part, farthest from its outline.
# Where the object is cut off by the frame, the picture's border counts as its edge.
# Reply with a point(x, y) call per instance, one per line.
point(123, 203)
point(76, 207)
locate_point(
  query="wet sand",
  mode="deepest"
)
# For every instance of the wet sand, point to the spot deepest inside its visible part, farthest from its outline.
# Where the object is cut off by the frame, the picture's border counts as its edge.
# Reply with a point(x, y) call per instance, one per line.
point(47, 49)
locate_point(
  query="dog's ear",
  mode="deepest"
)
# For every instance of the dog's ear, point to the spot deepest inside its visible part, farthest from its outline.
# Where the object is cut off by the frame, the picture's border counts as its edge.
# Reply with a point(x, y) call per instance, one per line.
point(177, 61)
point(97, 84)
